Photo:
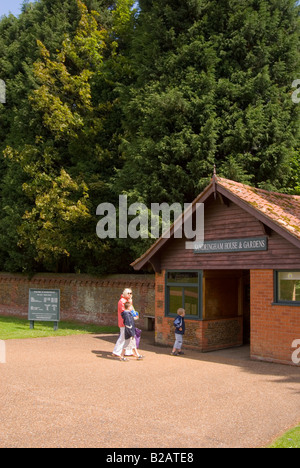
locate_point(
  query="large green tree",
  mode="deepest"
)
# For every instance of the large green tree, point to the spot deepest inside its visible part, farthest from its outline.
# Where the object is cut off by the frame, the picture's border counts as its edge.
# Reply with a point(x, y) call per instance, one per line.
point(59, 167)
point(101, 102)
point(213, 86)
point(47, 21)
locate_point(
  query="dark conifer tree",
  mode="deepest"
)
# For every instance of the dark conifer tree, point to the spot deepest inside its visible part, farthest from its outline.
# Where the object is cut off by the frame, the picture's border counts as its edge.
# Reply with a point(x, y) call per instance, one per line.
point(61, 61)
point(213, 86)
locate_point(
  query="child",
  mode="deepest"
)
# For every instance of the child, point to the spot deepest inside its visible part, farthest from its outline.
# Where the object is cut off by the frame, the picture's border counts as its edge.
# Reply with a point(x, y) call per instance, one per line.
point(138, 332)
point(129, 333)
point(179, 325)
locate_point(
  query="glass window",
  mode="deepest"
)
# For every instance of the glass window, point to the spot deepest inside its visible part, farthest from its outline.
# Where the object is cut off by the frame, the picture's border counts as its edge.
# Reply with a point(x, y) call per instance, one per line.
point(175, 300)
point(191, 301)
point(184, 289)
point(288, 287)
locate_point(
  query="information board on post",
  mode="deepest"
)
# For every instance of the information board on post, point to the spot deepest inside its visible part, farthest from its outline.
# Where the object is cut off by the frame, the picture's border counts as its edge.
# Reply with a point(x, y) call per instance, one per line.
point(44, 306)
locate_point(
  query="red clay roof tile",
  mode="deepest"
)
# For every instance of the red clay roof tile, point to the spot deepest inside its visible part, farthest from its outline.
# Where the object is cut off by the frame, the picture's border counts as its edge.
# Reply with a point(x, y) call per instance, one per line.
point(280, 208)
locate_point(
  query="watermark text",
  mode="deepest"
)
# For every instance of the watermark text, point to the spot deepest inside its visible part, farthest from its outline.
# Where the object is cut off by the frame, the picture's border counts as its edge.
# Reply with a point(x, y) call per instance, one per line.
point(137, 221)
point(2, 92)
point(296, 93)
point(2, 352)
point(296, 353)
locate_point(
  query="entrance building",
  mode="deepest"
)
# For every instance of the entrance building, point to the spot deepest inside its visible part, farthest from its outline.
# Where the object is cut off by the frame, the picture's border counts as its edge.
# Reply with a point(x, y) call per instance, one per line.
point(242, 286)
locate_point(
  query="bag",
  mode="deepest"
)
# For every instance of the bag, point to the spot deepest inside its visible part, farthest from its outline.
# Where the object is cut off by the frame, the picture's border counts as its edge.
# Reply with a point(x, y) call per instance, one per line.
point(138, 334)
point(135, 314)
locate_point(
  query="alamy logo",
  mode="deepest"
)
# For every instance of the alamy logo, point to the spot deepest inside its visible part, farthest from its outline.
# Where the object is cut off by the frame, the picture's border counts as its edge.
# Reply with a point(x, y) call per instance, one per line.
point(137, 221)
point(296, 353)
point(2, 352)
point(296, 93)
point(2, 92)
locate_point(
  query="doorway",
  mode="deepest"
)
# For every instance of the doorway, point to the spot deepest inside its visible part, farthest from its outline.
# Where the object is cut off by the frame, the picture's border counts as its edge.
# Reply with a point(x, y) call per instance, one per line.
point(246, 308)
point(226, 295)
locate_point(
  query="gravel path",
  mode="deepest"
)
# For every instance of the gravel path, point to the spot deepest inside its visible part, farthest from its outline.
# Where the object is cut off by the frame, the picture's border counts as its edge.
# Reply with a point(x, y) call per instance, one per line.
point(70, 392)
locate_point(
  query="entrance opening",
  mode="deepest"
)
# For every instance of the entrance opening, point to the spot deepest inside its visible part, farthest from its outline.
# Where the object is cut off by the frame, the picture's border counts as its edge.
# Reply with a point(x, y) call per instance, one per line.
point(226, 295)
point(246, 307)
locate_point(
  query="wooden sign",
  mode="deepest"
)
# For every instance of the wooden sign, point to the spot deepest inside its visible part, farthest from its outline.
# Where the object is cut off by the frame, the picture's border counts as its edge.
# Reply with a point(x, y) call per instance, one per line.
point(249, 244)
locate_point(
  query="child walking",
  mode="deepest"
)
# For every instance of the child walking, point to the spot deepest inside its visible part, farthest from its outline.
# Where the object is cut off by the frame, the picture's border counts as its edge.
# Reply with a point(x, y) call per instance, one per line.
point(179, 325)
point(130, 333)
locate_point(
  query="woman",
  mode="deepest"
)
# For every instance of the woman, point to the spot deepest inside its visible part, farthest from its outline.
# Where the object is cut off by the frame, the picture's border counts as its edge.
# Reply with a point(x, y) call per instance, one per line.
point(125, 297)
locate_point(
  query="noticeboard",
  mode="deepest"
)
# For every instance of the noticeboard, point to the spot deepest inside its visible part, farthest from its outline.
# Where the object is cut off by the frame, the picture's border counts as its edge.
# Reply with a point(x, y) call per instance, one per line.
point(44, 305)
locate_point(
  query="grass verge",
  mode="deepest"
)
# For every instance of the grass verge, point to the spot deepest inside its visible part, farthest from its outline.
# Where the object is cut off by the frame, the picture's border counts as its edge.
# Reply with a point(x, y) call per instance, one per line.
point(290, 439)
point(18, 328)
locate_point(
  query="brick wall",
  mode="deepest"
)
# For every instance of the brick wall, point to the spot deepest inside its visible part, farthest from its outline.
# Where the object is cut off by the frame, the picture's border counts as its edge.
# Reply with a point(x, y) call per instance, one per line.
point(207, 335)
point(273, 327)
point(83, 298)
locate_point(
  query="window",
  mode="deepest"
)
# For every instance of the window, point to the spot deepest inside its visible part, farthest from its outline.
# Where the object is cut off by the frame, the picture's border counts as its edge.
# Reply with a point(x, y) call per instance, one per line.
point(287, 287)
point(184, 289)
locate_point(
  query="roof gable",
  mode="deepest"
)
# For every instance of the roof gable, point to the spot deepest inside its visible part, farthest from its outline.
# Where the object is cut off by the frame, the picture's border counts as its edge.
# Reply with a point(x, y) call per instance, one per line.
point(277, 211)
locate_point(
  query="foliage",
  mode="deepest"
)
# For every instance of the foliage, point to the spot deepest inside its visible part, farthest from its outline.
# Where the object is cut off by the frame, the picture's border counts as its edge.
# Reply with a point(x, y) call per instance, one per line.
point(65, 159)
point(213, 86)
point(105, 99)
point(295, 174)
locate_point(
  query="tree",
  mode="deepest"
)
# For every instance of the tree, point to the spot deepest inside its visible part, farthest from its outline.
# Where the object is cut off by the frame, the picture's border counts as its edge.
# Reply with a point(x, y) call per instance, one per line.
point(295, 174)
point(102, 101)
point(213, 86)
point(66, 156)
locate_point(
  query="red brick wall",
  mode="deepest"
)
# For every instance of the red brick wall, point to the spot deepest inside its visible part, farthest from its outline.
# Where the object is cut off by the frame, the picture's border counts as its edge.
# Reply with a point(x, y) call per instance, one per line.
point(83, 298)
point(207, 335)
point(273, 327)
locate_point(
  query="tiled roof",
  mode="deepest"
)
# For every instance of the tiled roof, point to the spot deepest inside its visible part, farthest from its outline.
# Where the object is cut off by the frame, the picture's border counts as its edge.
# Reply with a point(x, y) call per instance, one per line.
point(282, 209)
